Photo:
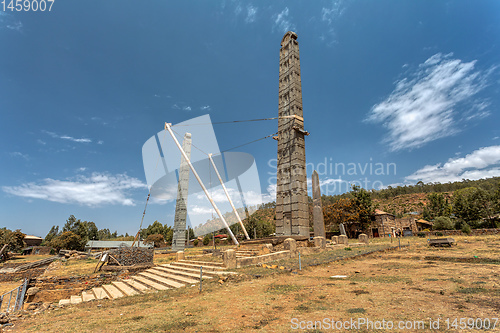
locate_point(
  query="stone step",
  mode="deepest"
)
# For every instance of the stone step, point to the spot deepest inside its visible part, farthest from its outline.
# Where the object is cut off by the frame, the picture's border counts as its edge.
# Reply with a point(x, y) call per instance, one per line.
point(157, 278)
point(183, 273)
point(205, 268)
point(149, 283)
point(191, 270)
point(204, 263)
point(178, 278)
point(196, 270)
point(137, 286)
point(100, 293)
point(112, 291)
point(76, 299)
point(64, 302)
point(125, 288)
point(87, 296)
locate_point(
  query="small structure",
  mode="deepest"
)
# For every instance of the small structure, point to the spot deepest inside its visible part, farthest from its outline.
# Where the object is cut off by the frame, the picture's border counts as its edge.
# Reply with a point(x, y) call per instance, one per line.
point(383, 224)
point(31, 240)
point(423, 224)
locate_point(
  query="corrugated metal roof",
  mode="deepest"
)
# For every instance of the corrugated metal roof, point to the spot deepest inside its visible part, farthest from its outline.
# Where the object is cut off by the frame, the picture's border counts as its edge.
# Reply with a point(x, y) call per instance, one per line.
point(114, 244)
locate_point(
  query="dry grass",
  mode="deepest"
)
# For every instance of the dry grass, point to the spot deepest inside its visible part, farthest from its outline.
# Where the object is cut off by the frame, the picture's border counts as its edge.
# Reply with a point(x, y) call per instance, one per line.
point(396, 285)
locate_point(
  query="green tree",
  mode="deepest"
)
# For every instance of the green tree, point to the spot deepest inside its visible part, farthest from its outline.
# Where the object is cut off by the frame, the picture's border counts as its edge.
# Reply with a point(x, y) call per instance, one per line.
point(70, 224)
point(437, 205)
point(15, 239)
point(363, 202)
point(103, 234)
point(443, 223)
point(156, 239)
point(68, 240)
point(54, 232)
point(206, 239)
point(471, 204)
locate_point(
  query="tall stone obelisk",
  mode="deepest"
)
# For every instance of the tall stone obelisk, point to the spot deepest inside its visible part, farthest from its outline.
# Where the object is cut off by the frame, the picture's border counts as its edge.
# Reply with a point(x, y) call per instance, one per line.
point(318, 219)
point(292, 214)
point(179, 237)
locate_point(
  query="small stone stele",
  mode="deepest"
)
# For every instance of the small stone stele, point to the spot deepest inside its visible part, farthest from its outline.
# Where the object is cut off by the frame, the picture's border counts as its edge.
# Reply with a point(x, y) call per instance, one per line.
point(363, 238)
point(179, 255)
point(335, 240)
point(342, 240)
point(290, 244)
point(320, 242)
point(229, 258)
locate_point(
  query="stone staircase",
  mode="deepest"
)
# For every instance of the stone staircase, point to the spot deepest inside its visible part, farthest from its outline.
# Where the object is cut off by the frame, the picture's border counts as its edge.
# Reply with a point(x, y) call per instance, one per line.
point(177, 274)
point(245, 253)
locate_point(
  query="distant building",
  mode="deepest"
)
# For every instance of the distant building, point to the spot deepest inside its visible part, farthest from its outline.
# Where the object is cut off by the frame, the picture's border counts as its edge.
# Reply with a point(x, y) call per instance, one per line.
point(32, 240)
point(386, 224)
point(97, 244)
point(423, 224)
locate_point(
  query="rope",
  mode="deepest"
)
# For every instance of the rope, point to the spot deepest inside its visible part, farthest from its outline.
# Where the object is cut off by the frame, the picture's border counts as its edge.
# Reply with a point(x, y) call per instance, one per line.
point(249, 142)
point(230, 122)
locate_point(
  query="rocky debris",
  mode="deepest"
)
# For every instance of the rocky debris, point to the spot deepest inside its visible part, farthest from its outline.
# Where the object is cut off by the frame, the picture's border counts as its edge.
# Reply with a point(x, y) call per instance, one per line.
point(73, 254)
point(129, 256)
point(4, 318)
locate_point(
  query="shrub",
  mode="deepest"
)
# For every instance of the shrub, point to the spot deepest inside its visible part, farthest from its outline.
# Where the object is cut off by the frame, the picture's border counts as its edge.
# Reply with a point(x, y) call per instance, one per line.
point(195, 243)
point(217, 241)
point(443, 223)
point(466, 229)
point(439, 234)
point(206, 240)
point(155, 239)
point(421, 234)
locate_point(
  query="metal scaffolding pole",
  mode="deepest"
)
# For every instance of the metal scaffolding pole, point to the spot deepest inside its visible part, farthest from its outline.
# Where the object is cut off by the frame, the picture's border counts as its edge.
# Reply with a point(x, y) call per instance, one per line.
point(228, 197)
point(167, 127)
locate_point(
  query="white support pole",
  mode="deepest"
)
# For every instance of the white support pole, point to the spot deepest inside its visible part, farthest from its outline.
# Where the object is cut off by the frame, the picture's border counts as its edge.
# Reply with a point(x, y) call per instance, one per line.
point(167, 127)
point(228, 197)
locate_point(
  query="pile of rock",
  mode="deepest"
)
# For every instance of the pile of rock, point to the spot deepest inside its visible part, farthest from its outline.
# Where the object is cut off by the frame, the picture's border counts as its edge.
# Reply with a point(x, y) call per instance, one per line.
point(73, 254)
point(130, 256)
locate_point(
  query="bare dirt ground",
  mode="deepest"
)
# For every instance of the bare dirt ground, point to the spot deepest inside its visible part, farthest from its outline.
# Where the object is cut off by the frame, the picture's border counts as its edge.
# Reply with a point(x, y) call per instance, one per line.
point(416, 285)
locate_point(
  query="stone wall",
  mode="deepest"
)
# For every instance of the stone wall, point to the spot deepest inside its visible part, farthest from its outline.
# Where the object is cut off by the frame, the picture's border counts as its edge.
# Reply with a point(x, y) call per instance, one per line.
point(129, 256)
point(474, 232)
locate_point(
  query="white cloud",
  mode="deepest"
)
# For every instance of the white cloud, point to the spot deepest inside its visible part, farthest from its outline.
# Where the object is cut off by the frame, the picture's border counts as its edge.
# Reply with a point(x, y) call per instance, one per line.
point(282, 21)
point(21, 155)
point(186, 108)
point(67, 137)
point(41, 142)
point(238, 9)
point(270, 195)
point(330, 14)
point(201, 210)
point(426, 106)
point(70, 138)
point(98, 189)
point(251, 14)
point(205, 108)
point(481, 163)
point(17, 26)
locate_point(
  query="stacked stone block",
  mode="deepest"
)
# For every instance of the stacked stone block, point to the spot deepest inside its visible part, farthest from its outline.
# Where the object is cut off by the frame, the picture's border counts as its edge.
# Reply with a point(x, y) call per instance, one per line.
point(291, 194)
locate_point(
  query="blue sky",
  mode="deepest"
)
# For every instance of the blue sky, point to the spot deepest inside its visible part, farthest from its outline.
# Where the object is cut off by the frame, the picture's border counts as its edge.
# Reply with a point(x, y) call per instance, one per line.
point(394, 92)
